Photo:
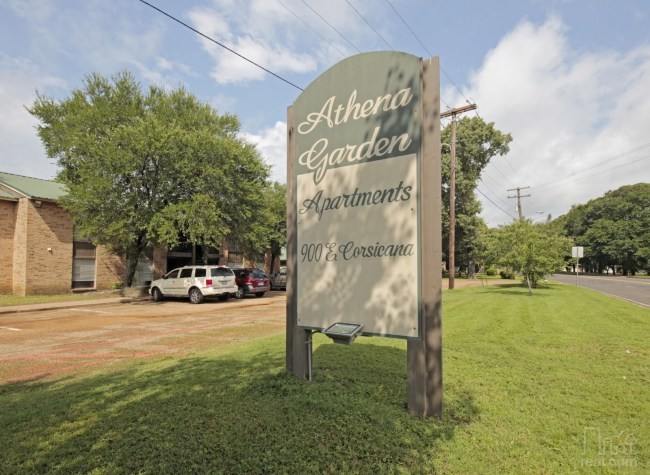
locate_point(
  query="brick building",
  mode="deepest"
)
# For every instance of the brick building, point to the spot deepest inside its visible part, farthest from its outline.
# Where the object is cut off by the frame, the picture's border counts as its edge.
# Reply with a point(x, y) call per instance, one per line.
point(40, 254)
point(38, 250)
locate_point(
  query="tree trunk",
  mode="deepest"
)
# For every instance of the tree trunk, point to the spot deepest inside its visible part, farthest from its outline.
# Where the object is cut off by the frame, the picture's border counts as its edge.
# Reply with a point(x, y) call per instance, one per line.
point(132, 257)
point(530, 289)
point(131, 267)
point(471, 269)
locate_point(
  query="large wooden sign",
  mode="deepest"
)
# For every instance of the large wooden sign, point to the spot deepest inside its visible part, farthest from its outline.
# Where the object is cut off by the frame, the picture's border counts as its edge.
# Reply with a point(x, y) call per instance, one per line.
point(364, 197)
point(357, 135)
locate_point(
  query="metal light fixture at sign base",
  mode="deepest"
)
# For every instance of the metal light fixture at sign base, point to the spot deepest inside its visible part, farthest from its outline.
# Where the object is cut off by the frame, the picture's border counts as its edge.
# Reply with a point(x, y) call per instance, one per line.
point(343, 333)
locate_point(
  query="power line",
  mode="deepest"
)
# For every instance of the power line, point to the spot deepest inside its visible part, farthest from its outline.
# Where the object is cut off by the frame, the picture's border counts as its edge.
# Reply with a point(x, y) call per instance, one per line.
point(513, 170)
point(428, 52)
point(564, 183)
point(329, 43)
point(220, 44)
point(368, 23)
point(409, 28)
point(328, 24)
point(424, 47)
point(494, 165)
point(491, 190)
point(499, 207)
point(495, 182)
point(597, 164)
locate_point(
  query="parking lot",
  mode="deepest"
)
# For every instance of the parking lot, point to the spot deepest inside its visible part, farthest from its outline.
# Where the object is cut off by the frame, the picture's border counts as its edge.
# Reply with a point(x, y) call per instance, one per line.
point(53, 343)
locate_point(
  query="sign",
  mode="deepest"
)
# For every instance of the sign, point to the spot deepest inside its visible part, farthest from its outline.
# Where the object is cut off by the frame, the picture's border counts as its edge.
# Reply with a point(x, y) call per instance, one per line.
point(358, 196)
point(577, 251)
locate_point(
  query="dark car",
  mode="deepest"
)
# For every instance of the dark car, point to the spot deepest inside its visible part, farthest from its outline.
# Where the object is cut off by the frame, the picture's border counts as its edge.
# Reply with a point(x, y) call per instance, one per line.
point(251, 282)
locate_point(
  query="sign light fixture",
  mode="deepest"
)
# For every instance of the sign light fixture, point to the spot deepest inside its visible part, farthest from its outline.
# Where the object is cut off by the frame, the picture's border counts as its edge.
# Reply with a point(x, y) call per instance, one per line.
point(343, 333)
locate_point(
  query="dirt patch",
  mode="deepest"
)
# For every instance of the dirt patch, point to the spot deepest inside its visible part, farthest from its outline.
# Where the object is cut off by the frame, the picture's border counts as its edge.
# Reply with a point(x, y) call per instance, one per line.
point(52, 343)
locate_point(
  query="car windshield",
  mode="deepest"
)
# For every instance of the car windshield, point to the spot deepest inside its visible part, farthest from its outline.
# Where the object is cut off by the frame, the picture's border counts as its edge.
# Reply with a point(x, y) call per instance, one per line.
point(172, 274)
point(258, 274)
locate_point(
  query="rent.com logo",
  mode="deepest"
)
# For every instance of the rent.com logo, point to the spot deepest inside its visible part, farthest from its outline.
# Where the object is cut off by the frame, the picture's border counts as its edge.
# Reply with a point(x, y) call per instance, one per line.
point(608, 450)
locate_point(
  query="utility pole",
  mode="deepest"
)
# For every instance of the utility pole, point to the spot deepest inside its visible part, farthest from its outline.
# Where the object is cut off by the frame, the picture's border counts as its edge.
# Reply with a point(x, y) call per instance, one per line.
point(519, 196)
point(452, 189)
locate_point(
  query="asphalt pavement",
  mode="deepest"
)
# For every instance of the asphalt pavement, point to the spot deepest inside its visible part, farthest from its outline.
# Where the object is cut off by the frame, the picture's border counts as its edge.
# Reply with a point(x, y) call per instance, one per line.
point(632, 289)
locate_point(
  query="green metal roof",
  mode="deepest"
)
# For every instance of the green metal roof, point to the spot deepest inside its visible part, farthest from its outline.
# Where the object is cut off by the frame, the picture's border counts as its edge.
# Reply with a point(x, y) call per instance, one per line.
point(33, 188)
point(6, 195)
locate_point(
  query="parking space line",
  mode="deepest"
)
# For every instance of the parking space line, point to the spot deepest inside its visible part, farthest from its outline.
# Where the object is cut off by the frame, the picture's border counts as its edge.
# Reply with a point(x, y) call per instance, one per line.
point(87, 310)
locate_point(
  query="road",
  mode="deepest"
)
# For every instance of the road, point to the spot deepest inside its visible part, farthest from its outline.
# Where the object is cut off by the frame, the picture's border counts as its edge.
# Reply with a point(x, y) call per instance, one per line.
point(53, 343)
point(632, 289)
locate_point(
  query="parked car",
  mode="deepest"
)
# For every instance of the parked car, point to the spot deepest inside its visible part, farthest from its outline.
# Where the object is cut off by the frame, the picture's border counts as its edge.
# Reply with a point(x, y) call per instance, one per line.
point(196, 283)
point(279, 279)
point(251, 282)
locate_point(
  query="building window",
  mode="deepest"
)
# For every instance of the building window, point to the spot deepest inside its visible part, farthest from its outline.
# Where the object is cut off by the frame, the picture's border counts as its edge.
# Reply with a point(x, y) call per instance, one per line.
point(83, 265)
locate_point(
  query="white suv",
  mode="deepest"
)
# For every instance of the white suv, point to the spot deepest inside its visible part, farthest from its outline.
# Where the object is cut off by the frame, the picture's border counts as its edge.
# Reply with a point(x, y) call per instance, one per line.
point(195, 282)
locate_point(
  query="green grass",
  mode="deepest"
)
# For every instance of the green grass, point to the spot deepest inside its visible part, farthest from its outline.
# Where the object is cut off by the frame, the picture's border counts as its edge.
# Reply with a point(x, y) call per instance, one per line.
point(7, 300)
point(553, 383)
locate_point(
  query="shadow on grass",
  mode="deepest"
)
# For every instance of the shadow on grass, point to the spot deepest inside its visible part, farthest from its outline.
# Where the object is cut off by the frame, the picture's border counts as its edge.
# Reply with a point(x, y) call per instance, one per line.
point(541, 291)
point(233, 414)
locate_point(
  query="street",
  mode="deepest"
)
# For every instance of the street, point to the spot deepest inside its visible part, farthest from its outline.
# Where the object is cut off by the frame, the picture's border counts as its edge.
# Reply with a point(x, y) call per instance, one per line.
point(54, 342)
point(635, 290)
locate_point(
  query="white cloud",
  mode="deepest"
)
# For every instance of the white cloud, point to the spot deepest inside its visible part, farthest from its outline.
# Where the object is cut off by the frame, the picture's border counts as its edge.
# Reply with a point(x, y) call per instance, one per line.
point(19, 143)
point(272, 144)
point(31, 9)
point(568, 113)
point(271, 36)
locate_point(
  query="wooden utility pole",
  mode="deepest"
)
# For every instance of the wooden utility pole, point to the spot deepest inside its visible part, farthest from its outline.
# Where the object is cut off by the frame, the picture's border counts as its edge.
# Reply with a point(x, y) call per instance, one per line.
point(452, 189)
point(519, 196)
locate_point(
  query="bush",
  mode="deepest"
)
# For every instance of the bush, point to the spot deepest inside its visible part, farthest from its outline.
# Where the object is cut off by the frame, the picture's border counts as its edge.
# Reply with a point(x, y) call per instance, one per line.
point(506, 274)
point(491, 271)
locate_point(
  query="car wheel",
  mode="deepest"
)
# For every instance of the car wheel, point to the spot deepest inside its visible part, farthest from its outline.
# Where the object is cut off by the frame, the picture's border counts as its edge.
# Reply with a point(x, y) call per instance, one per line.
point(240, 293)
point(156, 294)
point(223, 298)
point(195, 295)
point(259, 294)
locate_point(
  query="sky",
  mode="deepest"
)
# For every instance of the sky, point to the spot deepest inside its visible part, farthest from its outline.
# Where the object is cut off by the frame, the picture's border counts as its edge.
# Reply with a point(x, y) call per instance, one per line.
point(568, 79)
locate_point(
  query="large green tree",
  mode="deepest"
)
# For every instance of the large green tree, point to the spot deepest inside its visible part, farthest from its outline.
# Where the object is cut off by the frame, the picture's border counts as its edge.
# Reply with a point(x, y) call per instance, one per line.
point(613, 229)
point(477, 142)
point(533, 250)
point(151, 167)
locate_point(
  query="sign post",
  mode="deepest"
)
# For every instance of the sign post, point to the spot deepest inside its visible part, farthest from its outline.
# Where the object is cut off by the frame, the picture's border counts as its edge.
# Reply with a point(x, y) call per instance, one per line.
point(577, 252)
point(364, 236)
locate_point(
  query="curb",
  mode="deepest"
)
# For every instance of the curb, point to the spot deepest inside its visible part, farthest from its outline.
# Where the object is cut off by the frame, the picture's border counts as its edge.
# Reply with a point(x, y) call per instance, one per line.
point(41, 307)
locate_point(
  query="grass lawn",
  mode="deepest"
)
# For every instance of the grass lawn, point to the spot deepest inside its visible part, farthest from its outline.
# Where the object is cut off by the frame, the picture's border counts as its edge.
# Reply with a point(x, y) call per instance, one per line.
point(553, 383)
point(6, 300)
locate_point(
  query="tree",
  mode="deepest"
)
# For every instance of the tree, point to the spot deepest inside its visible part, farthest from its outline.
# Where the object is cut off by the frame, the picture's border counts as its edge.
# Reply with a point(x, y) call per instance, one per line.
point(533, 250)
point(150, 168)
point(613, 229)
point(477, 142)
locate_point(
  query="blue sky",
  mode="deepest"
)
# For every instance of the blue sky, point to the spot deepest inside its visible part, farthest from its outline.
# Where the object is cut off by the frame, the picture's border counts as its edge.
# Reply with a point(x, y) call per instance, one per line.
point(569, 79)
